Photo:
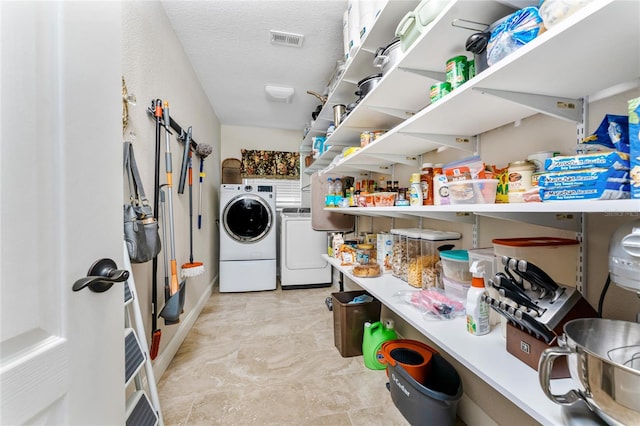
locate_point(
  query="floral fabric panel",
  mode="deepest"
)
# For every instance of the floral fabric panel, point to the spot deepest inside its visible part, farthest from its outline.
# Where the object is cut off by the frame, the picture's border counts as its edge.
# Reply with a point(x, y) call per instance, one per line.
point(270, 164)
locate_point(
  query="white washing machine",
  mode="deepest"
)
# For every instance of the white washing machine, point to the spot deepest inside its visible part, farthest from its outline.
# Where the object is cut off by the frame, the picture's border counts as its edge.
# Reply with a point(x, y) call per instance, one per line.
point(247, 238)
point(301, 263)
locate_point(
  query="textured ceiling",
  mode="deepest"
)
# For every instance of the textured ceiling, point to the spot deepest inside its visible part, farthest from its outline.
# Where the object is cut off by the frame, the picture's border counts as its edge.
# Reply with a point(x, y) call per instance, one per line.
point(228, 44)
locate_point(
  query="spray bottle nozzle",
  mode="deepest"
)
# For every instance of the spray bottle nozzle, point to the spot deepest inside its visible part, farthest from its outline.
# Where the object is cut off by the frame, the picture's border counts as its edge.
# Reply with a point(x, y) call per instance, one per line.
point(477, 272)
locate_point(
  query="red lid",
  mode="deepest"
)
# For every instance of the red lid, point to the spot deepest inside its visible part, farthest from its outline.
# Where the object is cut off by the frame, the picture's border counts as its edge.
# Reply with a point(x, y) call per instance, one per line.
point(534, 242)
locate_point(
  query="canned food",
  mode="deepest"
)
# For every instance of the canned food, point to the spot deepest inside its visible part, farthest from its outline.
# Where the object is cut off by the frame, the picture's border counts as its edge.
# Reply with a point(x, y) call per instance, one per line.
point(365, 138)
point(377, 134)
point(520, 177)
point(456, 71)
point(471, 69)
point(439, 91)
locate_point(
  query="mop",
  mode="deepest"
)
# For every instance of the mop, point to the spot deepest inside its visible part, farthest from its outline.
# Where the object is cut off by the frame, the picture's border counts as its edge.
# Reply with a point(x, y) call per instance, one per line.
point(173, 306)
point(202, 151)
point(192, 268)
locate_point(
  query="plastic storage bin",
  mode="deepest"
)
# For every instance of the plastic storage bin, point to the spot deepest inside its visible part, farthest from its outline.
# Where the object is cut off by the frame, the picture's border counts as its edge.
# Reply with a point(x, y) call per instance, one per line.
point(456, 289)
point(433, 402)
point(414, 262)
point(349, 319)
point(399, 255)
point(455, 265)
point(558, 257)
point(475, 191)
point(415, 22)
point(430, 245)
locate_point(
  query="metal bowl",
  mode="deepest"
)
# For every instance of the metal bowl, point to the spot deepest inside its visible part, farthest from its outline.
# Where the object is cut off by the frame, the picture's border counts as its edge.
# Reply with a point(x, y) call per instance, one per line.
point(604, 360)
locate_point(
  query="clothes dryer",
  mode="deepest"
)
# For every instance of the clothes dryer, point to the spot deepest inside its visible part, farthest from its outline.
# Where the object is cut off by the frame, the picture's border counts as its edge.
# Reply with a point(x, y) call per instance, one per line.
point(301, 249)
point(247, 238)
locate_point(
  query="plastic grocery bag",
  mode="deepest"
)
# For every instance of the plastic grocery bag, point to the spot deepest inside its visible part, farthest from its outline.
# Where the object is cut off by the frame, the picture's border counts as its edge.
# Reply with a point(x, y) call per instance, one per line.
point(612, 133)
point(433, 303)
point(514, 32)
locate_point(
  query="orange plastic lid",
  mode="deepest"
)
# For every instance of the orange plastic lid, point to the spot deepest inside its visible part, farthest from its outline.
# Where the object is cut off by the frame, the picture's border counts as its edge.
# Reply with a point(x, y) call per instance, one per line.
point(534, 242)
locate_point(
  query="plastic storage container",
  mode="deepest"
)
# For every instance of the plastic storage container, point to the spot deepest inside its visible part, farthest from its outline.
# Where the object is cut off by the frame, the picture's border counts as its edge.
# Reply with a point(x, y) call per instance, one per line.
point(558, 257)
point(473, 191)
point(399, 254)
point(455, 265)
point(430, 245)
point(414, 261)
point(349, 319)
point(456, 289)
point(432, 402)
point(415, 22)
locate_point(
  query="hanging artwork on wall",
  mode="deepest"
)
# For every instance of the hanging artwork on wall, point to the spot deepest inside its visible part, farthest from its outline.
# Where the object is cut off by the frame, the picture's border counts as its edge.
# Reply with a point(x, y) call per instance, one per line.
point(270, 164)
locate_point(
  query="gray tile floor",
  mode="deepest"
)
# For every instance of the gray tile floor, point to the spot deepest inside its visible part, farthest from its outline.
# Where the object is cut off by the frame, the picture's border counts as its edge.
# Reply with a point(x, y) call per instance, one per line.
point(268, 358)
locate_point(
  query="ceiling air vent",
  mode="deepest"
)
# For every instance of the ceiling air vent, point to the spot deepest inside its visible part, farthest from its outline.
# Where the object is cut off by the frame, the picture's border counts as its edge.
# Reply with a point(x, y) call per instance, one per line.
point(287, 39)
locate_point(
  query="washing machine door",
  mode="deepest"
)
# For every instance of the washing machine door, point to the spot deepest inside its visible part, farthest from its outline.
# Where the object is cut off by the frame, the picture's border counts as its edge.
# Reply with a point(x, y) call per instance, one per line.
point(247, 218)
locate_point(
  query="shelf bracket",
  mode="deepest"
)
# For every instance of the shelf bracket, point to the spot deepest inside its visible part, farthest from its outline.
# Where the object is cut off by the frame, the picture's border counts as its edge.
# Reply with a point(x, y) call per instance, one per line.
point(394, 112)
point(460, 217)
point(465, 143)
point(408, 160)
point(563, 108)
point(375, 168)
point(565, 221)
point(435, 75)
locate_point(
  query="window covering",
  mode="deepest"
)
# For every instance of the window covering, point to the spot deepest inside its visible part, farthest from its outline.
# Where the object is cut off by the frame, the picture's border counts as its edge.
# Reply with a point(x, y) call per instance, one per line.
point(270, 164)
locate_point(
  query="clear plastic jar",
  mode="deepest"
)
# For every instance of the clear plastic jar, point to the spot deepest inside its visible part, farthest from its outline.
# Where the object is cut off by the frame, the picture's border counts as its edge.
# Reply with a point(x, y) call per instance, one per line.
point(365, 254)
point(430, 244)
point(414, 261)
point(398, 253)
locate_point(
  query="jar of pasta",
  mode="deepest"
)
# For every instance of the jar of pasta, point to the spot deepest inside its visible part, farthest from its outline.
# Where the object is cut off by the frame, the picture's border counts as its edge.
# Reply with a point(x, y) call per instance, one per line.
point(414, 261)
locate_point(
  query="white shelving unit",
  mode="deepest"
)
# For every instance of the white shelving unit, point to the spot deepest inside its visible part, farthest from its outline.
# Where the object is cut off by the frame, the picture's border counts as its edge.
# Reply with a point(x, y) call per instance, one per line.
point(486, 356)
point(593, 54)
point(539, 77)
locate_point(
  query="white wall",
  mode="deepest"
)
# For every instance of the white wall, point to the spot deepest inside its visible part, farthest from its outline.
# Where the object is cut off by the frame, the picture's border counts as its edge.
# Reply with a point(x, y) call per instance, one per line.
point(155, 66)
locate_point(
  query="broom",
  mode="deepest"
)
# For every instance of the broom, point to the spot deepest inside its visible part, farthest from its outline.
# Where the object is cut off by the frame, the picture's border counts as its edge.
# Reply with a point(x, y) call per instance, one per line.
point(192, 268)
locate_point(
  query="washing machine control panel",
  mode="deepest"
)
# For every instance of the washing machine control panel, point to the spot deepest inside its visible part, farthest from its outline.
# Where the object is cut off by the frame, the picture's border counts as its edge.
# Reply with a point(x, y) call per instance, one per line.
point(265, 188)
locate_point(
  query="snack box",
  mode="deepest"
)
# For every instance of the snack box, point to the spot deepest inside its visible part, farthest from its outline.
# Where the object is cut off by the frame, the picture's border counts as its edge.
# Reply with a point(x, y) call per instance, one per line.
point(612, 159)
point(586, 177)
point(605, 191)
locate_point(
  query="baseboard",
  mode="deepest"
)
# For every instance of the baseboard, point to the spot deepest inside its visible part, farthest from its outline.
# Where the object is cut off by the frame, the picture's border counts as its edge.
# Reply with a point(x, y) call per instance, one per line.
point(161, 363)
point(471, 413)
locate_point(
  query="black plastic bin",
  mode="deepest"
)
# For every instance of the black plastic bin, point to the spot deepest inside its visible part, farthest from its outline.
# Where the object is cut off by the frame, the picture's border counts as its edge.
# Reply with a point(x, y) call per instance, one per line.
point(349, 319)
point(433, 403)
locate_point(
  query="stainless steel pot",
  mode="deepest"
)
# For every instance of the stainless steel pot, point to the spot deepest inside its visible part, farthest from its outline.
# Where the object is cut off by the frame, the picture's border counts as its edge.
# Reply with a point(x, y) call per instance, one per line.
point(604, 359)
point(339, 112)
point(387, 57)
point(367, 84)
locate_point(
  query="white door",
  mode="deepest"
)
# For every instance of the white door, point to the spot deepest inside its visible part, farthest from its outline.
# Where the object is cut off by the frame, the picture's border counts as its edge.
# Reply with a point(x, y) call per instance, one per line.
point(62, 352)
